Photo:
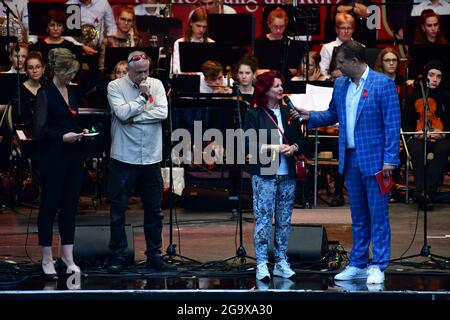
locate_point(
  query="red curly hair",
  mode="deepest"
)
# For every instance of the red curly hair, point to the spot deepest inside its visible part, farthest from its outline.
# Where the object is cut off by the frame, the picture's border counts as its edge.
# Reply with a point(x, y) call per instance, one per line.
point(263, 84)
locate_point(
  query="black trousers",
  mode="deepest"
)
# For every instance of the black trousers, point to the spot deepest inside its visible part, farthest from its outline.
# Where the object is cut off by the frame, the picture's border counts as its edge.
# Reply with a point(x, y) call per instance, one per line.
point(435, 167)
point(61, 176)
point(122, 178)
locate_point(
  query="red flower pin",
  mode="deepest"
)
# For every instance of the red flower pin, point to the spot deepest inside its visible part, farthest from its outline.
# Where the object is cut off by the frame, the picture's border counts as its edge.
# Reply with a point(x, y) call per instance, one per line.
point(365, 93)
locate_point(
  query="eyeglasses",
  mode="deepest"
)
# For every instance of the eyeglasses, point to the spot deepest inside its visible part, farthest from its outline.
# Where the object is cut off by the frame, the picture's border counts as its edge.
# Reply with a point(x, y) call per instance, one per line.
point(138, 57)
point(390, 60)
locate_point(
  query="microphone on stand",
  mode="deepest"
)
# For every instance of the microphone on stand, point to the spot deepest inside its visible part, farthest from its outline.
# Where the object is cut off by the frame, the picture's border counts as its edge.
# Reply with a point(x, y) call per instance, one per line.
point(290, 105)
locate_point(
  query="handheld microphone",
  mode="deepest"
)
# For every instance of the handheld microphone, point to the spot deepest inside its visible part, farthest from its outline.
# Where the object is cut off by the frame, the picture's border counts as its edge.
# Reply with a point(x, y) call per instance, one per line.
point(291, 106)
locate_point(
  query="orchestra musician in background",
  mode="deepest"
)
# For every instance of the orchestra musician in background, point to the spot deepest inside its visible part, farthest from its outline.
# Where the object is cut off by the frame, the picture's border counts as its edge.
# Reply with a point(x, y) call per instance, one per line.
point(197, 31)
point(438, 143)
point(55, 21)
point(120, 70)
point(428, 29)
point(127, 34)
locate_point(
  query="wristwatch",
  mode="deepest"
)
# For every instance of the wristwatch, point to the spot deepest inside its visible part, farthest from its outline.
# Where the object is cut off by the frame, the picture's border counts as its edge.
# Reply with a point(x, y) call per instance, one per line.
point(145, 96)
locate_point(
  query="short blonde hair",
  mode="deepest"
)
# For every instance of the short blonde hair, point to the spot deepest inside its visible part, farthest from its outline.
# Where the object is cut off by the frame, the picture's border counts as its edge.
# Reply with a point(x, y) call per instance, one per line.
point(62, 61)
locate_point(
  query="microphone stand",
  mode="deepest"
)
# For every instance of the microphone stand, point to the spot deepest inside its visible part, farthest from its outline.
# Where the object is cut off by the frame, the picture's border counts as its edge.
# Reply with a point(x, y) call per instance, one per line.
point(426, 249)
point(241, 253)
point(171, 251)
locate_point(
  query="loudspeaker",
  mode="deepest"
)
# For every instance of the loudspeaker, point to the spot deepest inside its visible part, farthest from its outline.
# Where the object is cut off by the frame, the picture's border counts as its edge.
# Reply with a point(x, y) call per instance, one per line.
point(92, 244)
point(307, 243)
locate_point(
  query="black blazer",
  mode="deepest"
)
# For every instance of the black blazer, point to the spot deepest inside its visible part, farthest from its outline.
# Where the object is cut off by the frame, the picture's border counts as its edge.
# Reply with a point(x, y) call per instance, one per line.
point(53, 117)
point(257, 119)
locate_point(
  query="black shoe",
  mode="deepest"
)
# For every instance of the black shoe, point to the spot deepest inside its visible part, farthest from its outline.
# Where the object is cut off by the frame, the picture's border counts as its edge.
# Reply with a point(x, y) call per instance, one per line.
point(337, 201)
point(117, 264)
point(159, 264)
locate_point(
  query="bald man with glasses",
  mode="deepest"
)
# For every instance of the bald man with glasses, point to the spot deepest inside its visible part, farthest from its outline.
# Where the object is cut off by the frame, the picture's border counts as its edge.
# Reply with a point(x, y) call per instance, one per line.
point(138, 107)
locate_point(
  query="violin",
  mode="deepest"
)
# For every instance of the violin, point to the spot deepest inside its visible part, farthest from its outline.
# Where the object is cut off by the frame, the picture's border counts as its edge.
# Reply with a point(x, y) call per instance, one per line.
point(329, 130)
point(433, 121)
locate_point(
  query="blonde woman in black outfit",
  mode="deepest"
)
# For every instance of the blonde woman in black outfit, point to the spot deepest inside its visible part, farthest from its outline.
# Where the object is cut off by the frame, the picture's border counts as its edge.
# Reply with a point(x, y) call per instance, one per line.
point(60, 159)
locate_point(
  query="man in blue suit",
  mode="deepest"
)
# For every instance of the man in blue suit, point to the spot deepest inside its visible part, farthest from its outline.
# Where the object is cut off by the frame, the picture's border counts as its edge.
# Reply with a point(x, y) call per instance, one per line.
point(365, 103)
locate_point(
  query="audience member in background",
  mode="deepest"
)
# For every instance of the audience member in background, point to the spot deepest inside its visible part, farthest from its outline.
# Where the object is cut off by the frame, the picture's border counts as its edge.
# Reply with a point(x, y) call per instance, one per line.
point(273, 182)
point(344, 27)
point(55, 21)
point(120, 70)
point(438, 144)
point(428, 29)
point(127, 35)
point(439, 6)
point(60, 159)
point(197, 31)
point(150, 8)
point(313, 69)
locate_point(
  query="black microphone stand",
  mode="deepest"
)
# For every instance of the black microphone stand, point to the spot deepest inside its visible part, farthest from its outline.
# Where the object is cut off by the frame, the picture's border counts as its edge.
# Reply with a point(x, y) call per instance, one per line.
point(171, 251)
point(241, 253)
point(426, 249)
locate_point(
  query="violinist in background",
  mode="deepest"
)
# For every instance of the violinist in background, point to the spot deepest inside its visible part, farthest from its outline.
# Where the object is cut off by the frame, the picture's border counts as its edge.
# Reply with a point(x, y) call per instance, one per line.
point(438, 143)
point(127, 34)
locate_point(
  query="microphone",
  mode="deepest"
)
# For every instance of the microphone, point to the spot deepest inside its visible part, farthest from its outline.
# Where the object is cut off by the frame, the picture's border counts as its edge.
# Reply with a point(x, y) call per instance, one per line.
point(291, 106)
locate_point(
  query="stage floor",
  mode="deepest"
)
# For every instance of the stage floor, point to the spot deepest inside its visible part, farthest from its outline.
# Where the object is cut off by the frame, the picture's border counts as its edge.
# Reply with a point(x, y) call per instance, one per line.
point(210, 237)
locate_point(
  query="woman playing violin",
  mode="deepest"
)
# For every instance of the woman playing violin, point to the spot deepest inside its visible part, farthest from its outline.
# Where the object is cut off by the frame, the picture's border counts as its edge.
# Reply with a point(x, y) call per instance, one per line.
point(437, 121)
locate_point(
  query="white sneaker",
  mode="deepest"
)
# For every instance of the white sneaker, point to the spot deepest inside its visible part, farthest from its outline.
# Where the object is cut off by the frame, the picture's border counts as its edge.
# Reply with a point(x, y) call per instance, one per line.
point(351, 273)
point(375, 275)
point(262, 272)
point(282, 269)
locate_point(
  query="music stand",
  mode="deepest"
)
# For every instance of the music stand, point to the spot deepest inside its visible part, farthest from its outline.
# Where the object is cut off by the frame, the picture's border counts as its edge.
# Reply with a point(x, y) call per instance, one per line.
point(8, 83)
point(272, 53)
point(159, 27)
point(114, 55)
point(193, 55)
point(185, 84)
point(37, 11)
point(239, 30)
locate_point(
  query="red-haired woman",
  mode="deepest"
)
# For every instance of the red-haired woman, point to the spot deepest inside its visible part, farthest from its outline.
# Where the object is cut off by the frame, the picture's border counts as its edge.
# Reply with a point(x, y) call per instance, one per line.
point(273, 170)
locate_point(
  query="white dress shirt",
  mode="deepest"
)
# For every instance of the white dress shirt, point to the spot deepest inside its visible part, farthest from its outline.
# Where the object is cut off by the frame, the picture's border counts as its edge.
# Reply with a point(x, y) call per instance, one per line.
point(442, 7)
point(139, 142)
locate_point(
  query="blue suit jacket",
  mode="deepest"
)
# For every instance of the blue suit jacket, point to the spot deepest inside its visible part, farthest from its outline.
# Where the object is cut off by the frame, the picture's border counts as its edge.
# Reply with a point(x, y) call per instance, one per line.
point(377, 127)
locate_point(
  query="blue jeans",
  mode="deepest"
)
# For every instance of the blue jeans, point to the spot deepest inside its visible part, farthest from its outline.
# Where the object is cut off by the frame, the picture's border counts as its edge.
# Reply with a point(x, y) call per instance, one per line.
point(122, 178)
